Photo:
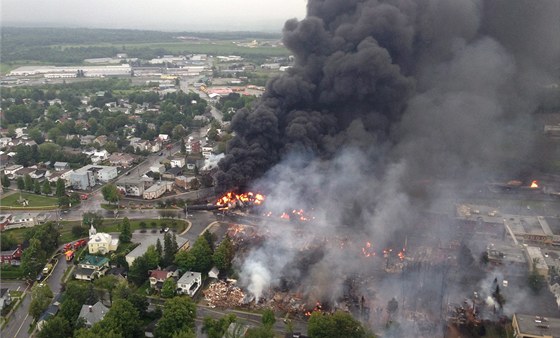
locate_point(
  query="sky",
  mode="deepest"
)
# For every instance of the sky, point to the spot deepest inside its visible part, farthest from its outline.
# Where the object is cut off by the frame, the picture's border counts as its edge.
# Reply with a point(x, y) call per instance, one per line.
point(167, 15)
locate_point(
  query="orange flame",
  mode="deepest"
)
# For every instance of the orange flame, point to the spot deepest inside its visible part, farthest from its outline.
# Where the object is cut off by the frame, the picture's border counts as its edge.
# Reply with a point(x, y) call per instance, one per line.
point(534, 185)
point(231, 199)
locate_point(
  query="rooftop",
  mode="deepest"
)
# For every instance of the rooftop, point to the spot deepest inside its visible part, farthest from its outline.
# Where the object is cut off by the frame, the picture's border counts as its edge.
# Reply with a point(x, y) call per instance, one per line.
point(189, 277)
point(94, 260)
point(538, 326)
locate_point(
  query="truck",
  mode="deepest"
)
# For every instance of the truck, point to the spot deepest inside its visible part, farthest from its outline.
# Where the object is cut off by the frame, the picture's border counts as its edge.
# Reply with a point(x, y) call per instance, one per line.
point(84, 197)
point(47, 268)
point(69, 255)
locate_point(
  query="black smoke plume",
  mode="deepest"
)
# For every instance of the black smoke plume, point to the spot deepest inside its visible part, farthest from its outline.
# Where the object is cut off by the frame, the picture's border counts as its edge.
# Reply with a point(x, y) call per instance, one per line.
point(385, 94)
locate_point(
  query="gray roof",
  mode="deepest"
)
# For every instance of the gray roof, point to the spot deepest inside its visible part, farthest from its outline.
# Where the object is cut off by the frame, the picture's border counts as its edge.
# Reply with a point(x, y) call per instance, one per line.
point(94, 315)
point(537, 325)
point(84, 271)
point(189, 277)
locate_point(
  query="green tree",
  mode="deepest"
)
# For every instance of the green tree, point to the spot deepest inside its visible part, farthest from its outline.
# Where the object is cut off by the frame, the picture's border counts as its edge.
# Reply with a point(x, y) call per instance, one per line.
point(260, 332)
point(60, 188)
point(92, 218)
point(216, 328)
point(95, 332)
point(41, 296)
point(37, 187)
point(126, 234)
point(29, 184)
point(168, 288)
point(5, 181)
point(123, 319)
point(111, 193)
point(159, 248)
point(69, 310)
point(8, 241)
point(339, 324)
point(268, 318)
point(47, 190)
point(224, 254)
point(187, 333)
point(20, 183)
point(185, 260)
point(168, 249)
point(152, 257)
point(202, 254)
point(392, 308)
point(138, 272)
point(183, 147)
point(179, 314)
point(79, 231)
point(56, 327)
point(33, 259)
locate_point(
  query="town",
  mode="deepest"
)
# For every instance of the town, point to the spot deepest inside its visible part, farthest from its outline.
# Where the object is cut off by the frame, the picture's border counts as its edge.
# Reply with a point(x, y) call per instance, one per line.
point(341, 183)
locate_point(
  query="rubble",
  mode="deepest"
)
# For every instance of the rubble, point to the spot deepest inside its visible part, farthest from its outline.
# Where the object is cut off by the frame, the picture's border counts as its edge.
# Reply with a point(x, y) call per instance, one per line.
point(224, 294)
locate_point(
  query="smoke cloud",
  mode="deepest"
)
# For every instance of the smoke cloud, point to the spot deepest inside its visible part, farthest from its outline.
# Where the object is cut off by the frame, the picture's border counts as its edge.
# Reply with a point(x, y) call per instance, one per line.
point(385, 95)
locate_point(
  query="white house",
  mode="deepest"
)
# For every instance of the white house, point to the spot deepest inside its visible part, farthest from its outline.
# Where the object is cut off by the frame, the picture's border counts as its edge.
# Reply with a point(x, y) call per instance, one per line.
point(101, 242)
point(189, 283)
point(99, 156)
point(178, 161)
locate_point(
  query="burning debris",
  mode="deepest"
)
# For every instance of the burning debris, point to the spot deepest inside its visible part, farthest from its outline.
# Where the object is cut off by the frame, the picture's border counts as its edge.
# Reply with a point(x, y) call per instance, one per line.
point(383, 93)
point(224, 294)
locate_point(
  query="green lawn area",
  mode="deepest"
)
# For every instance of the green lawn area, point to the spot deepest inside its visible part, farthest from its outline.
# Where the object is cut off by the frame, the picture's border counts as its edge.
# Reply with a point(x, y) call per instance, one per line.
point(11, 272)
point(109, 225)
point(35, 201)
point(214, 48)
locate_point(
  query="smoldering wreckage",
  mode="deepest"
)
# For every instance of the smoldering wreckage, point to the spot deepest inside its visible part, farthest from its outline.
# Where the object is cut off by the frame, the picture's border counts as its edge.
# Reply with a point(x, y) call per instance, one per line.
point(383, 96)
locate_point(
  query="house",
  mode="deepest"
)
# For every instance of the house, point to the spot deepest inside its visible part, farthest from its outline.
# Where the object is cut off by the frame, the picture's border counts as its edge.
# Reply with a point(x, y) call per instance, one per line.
point(99, 156)
point(191, 163)
point(214, 273)
point(157, 168)
point(38, 174)
point(207, 150)
point(121, 160)
point(132, 186)
point(93, 313)
point(177, 161)
point(61, 166)
point(11, 257)
point(11, 170)
point(156, 190)
point(189, 283)
point(157, 277)
point(153, 146)
point(182, 181)
point(63, 175)
point(91, 267)
point(163, 138)
point(101, 242)
point(533, 326)
point(87, 140)
point(24, 171)
point(5, 219)
point(4, 141)
point(120, 273)
point(101, 140)
point(171, 173)
point(51, 311)
point(5, 298)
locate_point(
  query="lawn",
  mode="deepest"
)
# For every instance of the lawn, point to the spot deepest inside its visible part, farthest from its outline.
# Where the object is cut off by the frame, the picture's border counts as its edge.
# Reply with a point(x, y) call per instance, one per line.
point(35, 201)
point(109, 225)
point(213, 48)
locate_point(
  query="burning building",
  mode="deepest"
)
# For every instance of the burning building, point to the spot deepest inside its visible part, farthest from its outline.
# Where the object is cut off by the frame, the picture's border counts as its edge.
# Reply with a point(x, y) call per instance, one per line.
point(384, 93)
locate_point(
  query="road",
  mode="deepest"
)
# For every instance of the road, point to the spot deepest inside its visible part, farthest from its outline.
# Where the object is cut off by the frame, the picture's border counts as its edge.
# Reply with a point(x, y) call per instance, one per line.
point(20, 321)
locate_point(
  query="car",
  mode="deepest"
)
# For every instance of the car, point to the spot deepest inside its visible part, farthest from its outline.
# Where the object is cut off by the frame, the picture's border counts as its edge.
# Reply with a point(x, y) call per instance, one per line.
point(161, 154)
point(127, 173)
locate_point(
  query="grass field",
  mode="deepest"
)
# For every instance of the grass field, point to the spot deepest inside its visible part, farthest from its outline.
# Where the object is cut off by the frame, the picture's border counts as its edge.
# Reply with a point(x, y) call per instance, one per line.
point(35, 201)
point(109, 225)
point(213, 48)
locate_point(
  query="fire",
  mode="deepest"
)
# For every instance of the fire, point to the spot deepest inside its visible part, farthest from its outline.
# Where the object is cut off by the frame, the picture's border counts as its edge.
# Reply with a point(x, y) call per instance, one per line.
point(232, 199)
point(367, 250)
point(534, 184)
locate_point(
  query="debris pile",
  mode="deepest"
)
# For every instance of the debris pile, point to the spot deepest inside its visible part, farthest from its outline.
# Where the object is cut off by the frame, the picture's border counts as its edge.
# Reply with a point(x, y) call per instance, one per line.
point(224, 294)
point(288, 303)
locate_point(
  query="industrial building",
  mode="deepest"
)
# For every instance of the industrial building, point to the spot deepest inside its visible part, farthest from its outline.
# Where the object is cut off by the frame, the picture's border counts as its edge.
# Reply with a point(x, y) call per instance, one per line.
point(532, 326)
point(72, 71)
